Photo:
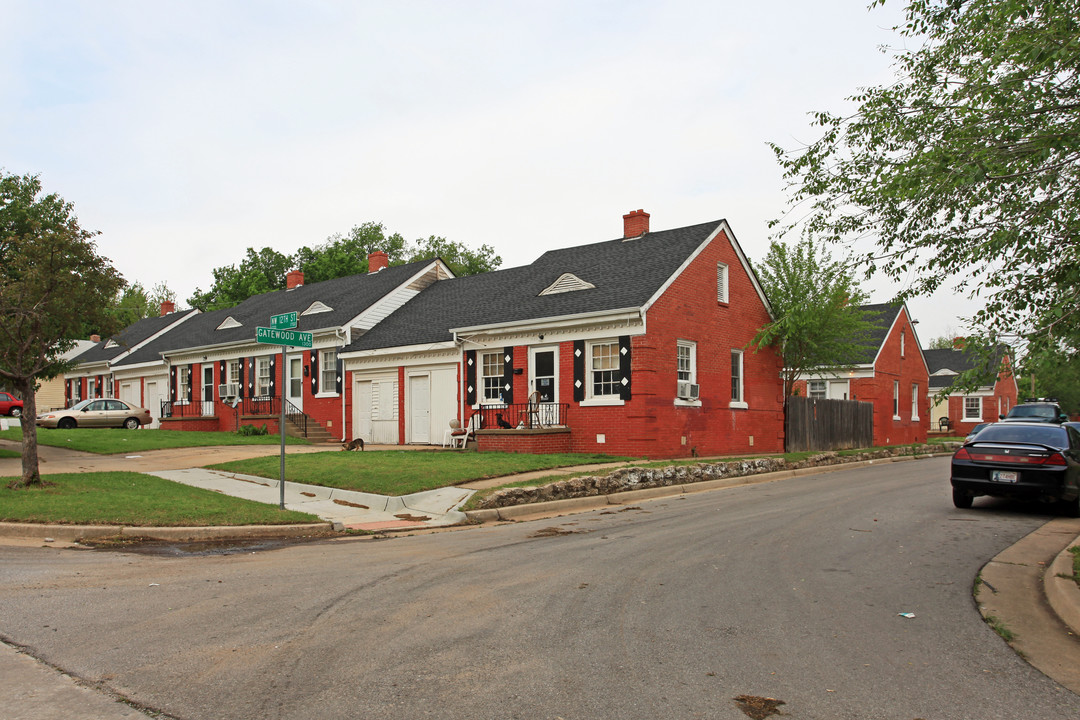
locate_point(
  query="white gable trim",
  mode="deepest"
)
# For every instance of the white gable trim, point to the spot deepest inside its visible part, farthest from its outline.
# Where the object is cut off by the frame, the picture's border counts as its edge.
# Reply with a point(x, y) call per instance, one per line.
point(317, 307)
point(902, 311)
point(386, 305)
point(723, 226)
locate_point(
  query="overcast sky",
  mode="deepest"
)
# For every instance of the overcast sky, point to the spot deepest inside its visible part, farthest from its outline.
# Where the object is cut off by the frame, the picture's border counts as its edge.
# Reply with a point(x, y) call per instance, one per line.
point(189, 131)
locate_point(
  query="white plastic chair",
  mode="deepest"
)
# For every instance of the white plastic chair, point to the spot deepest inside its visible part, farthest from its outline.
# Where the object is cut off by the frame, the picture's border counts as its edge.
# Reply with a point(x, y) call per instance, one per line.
point(456, 436)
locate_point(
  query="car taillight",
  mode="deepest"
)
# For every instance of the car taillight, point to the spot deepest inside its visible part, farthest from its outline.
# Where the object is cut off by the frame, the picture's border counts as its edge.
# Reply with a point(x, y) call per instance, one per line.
point(1055, 459)
point(962, 454)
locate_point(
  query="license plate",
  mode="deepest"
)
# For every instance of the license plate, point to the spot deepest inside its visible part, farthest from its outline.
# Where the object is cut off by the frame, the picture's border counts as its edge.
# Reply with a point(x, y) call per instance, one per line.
point(1004, 476)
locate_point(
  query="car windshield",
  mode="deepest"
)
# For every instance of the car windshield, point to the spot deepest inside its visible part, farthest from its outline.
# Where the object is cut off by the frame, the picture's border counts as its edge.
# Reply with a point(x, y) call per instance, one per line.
point(81, 404)
point(1035, 411)
point(1051, 435)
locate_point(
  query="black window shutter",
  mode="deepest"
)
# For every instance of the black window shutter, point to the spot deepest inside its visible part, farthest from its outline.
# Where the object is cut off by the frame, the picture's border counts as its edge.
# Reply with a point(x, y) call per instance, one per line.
point(273, 375)
point(100, 386)
point(508, 375)
point(624, 367)
point(67, 391)
point(222, 373)
point(313, 368)
point(251, 376)
point(190, 381)
point(240, 379)
point(470, 377)
point(172, 384)
point(340, 367)
point(579, 370)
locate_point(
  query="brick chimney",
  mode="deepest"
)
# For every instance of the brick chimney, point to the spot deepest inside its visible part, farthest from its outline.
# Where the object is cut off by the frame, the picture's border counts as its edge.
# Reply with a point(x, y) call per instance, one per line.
point(377, 260)
point(294, 279)
point(95, 338)
point(958, 343)
point(167, 306)
point(635, 224)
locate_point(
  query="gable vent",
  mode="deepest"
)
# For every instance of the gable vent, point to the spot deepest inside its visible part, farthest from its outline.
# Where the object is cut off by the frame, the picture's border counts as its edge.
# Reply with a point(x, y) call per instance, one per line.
point(229, 322)
point(317, 307)
point(567, 282)
point(111, 344)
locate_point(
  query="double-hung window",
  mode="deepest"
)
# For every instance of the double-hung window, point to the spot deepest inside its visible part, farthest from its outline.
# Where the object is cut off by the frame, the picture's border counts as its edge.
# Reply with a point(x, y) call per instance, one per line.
point(896, 399)
point(816, 389)
point(686, 372)
point(914, 401)
point(91, 385)
point(233, 371)
point(328, 373)
point(604, 370)
point(491, 367)
point(183, 383)
point(262, 377)
point(737, 398)
point(973, 408)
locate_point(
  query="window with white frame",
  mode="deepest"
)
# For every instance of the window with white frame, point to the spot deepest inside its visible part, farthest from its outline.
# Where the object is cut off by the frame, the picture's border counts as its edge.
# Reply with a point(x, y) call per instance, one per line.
point(604, 369)
point(110, 389)
point(973, 408)
point(902, 336)
point(91, 385)
point(816, 389)
point(328, 376)
point(914, 401)
point(76, 390)
point(262, 376)
point(183, 382)
point(721, 282)
point(896, 398)
point(491, 368)
point(686, 360)
point(233, 371)
point(737, 376)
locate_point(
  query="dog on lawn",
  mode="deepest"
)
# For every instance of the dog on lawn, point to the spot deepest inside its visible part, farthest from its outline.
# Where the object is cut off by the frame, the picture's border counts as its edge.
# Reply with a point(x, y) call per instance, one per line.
point(353, 444)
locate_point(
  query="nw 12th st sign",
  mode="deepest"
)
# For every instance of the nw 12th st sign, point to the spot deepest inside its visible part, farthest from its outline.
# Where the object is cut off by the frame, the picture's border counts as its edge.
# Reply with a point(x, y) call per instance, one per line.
point(292, 338)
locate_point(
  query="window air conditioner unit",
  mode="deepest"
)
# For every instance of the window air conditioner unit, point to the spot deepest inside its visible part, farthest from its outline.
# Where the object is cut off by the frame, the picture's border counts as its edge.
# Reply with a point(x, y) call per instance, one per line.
point(230, 390)
point(688, 391)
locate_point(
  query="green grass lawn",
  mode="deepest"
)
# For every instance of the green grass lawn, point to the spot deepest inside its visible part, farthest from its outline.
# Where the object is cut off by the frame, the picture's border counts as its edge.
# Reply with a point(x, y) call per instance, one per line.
point(5, 453)
point(111, 441)
point(127, 498)
point(400, 472)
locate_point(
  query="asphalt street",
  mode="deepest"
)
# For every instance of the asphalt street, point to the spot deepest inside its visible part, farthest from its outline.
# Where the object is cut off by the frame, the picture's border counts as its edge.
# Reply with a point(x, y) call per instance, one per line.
point(791, 590)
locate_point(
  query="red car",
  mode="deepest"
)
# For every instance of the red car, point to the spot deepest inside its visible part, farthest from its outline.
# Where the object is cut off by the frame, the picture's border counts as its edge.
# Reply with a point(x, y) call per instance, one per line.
point(10, 405)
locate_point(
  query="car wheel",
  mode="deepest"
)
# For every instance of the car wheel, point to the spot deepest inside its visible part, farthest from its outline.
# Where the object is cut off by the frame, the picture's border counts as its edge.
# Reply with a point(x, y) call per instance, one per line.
point(66, 423)
point(1070, 508)
point(131, 423)
point(961, 499)
point(16, 412)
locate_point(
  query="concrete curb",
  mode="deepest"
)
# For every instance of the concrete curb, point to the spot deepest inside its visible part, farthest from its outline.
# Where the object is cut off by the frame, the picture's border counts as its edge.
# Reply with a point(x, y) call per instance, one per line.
point(594, 502)
point(1064, 593)
point(73, 533)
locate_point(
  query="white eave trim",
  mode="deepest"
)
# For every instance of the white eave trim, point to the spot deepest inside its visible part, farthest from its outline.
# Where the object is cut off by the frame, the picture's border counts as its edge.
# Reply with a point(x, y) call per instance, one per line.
point(399, 350)
point(576, 319)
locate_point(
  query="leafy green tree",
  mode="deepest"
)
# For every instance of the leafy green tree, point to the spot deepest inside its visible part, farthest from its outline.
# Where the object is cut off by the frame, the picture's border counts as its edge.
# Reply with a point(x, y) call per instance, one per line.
point(965, 170)
point(53, 284)
point(815, 302)
point(339, 256)
point(134, 303)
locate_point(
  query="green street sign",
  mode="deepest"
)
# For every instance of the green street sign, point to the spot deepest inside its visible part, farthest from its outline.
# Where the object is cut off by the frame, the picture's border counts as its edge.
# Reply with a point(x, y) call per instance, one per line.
point(286, 321)
point(292, 338)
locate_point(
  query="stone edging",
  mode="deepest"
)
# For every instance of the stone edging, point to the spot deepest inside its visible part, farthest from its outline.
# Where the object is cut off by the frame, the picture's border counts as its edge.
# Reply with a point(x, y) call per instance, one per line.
point(73, 533)
point(634, 478)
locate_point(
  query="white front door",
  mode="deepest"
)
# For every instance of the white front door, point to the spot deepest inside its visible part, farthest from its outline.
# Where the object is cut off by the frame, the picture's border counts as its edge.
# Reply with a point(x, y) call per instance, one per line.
point(155, 394)
point(362, 411)
point(294, 383)
point(419, 409)
point(544, 379)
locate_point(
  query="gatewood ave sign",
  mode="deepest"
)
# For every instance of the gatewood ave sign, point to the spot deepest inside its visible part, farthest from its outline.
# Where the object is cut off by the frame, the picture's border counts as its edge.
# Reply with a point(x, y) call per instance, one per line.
point(292, 338)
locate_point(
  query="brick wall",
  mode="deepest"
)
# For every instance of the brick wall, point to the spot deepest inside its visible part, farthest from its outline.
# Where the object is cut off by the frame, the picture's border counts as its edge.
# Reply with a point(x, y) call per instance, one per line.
point(524, 441)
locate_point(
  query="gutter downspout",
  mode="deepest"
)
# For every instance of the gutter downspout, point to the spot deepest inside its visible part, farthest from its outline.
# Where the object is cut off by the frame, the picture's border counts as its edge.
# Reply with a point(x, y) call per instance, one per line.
point(339, 334)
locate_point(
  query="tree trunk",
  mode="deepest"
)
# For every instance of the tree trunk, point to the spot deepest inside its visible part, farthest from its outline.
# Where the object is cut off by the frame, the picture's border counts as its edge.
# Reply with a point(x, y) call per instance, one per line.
point(30, 473)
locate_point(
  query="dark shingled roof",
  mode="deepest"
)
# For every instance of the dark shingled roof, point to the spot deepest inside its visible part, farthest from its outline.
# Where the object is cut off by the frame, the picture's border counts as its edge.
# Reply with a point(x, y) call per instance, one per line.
point(347, 296)
point(129, 337)
point(626, 274)
point(956, 360)
point(882, 316)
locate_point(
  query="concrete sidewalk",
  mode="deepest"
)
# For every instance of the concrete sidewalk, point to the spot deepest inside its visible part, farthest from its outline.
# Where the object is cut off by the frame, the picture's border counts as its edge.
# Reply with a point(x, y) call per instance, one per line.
point(345, 509)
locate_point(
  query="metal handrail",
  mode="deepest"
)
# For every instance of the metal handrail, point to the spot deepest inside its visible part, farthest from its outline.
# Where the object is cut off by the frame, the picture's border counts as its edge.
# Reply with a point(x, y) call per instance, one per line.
point(296, 416)
point(521, 416)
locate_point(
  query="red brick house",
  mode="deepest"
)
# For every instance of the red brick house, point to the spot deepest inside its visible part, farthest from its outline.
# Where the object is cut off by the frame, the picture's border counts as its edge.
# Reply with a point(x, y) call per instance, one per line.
point(636, 346)
point(892, 374)
point(965, 409)
point(633, 346)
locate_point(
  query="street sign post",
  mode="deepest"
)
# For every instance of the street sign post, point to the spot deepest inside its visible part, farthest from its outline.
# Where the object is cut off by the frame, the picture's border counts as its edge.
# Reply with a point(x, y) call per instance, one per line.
point(285, 321)
point(292, 338)
point(282, 334)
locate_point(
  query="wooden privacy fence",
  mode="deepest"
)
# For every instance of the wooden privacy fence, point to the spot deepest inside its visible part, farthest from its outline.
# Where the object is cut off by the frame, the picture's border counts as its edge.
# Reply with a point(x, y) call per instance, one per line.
point(819, 424)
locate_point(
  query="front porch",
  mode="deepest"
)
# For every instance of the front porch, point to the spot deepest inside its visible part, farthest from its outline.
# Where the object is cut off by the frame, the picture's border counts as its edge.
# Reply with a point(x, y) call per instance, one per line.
point(532, 427)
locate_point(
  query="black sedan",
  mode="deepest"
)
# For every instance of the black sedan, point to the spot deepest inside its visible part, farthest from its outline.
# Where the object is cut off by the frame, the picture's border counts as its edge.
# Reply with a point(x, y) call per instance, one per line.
point(1022, 460)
